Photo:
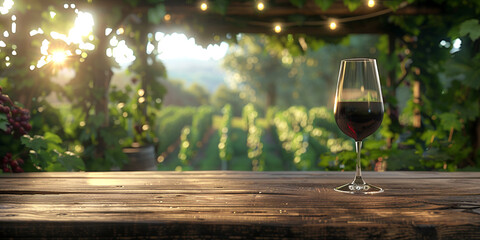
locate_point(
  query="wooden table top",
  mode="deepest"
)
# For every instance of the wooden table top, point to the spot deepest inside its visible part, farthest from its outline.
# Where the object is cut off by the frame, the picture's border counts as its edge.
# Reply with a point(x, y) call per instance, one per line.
point(239, 205)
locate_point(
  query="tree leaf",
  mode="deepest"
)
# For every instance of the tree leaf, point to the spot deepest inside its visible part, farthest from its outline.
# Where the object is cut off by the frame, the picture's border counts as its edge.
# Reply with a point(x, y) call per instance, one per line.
point(220, 6)
point(155, 15)
point(324, 4)
point(450, 120)
point(352, 4)
point(71, 162)
point(132, 3)
point(52, 137)
point(36, 143)
point(393, 4)
point(470, 27)
point(298, 3)
point(3, 121)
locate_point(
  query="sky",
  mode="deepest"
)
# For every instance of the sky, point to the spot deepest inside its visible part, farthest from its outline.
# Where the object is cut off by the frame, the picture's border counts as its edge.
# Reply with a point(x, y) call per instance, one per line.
point(178, 46)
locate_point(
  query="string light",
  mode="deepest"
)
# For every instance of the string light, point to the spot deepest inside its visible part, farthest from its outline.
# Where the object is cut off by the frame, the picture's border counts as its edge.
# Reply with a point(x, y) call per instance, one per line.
point(260, 6)
point(167, 17)
point(332, 25)
point(204, 6)
point(277, 28)
point(371, 3)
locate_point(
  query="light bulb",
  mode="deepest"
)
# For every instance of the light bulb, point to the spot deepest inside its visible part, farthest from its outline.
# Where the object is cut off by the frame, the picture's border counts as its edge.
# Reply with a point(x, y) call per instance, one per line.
point(278, 28)
point(333, 25)
point(371, 3)
point(260, 6)
point(204, 6)
point(167, 17)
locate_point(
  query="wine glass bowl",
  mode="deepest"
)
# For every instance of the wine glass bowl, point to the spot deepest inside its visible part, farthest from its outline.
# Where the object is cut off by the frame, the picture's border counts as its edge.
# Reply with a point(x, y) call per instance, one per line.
point(358, 111)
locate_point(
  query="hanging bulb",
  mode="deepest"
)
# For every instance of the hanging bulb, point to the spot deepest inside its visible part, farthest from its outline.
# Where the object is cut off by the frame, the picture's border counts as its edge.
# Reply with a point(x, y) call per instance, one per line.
point(260, 6)
point(332, 25)
point(167, 17)
point(204, 6)
point(371, 3)
point(277, 28)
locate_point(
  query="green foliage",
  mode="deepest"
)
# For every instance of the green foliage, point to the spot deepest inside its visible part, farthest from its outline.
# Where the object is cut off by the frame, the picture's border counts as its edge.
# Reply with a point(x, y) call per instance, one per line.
point(470, 27)
point(305, 138)
point(186, 147)
point(156, 14)
point(201, 123)
point(3, 122)
point(225, 148)
point(220, 6)
point(278, 70)
point(254, 138)
point(192, 136)
point(324, 4)
point(171, 121)
point(352, 4)
point(298, 3)
point(47, 154)
point(225, 95)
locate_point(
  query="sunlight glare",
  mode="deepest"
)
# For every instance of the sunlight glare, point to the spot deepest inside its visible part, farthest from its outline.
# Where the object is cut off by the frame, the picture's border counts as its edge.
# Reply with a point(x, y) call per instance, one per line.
point(457, 43)
point(178, 46)
point(108, 31)
point(122, 54)
point(114, 41)
point(59, 56)
point(35, 32)
point(44, 47)
point(150, 48)
point(83, 27)
point(59, 36)
point(7, 5)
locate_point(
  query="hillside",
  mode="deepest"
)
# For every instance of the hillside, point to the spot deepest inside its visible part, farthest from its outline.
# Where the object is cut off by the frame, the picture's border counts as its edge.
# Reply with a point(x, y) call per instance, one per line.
point(207, 73)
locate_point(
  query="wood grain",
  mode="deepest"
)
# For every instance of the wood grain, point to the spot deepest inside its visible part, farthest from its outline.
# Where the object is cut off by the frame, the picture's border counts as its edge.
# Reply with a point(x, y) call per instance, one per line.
point(239, 205)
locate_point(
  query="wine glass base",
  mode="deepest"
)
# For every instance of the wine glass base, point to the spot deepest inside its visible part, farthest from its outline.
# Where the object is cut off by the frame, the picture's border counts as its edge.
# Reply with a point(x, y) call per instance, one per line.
point(358, 188)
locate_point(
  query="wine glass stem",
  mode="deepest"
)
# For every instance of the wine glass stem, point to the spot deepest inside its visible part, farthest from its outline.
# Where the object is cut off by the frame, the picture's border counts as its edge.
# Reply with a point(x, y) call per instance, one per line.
point(358, 149)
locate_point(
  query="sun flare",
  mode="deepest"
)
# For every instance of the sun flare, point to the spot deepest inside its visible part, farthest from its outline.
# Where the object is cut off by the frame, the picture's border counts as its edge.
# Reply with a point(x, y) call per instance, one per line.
point(59, 56)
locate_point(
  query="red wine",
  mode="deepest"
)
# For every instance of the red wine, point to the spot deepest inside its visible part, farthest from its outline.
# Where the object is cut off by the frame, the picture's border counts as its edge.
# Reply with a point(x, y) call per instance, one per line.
point(359, 119)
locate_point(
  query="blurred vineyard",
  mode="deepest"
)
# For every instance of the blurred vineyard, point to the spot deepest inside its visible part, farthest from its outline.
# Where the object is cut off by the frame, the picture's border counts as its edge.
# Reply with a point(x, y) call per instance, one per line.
point(283, 140)
point(429, 67)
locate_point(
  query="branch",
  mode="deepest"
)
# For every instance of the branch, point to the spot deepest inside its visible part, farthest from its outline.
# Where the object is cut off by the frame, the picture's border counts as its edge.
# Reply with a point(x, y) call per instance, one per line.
point(406, 71)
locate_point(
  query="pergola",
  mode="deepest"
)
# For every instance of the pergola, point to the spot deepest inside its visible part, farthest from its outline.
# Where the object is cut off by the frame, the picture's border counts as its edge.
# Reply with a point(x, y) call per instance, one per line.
point(218, 18)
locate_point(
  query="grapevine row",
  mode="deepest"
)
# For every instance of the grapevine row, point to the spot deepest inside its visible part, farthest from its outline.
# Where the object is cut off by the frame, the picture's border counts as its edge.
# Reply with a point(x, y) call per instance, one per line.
point(225, 148)
point(191, 137)
point(254, 135)
point(306, 135)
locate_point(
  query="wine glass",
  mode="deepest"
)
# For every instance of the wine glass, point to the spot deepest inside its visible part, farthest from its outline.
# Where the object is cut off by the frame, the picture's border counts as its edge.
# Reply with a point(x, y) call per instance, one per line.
point(358, 111)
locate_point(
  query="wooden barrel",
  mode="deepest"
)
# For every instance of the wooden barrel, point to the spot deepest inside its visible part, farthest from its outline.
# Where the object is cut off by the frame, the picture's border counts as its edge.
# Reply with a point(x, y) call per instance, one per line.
point(140, 158)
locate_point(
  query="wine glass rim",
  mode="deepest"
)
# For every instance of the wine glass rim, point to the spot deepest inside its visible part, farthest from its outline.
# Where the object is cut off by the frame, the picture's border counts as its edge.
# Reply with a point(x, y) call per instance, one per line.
point(359, 60)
